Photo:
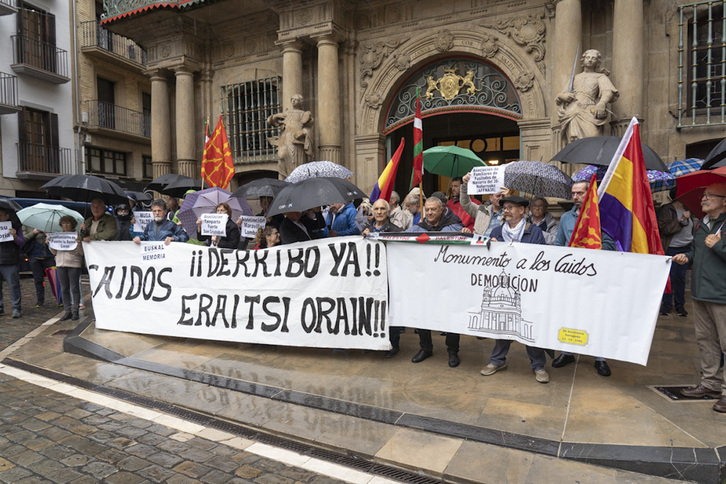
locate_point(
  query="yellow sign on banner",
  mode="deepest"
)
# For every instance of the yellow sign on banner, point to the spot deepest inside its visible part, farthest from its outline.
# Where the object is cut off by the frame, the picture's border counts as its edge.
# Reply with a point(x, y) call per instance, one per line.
point(572, 336)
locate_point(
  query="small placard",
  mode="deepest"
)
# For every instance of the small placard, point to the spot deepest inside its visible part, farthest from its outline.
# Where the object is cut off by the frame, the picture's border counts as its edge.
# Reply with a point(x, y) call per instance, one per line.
point(5, 235)
point(151, 251)
point(214, 224)
point(142, 219)
point(63, 240)
point(250, 226)
point(486, 180)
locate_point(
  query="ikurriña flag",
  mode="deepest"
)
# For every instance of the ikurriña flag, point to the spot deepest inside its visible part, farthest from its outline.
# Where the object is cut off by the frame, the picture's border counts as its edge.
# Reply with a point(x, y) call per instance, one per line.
point(626, 204)
point(587, 234)
point(418, 165)
point(217, 163)
point(384, 185)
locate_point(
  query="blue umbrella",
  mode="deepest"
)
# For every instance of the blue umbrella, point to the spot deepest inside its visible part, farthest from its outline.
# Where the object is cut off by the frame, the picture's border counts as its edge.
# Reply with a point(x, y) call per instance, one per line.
point(659, 180)
point(684, 167)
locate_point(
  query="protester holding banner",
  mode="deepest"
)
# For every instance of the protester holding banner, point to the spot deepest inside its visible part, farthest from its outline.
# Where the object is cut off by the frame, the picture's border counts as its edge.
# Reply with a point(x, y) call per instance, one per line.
point(456, 206)
point(293, 230)
point(100, 225)
point(487, 215)
point(12, 241)
point(541, 217)
point(232, 234)
point(437, 219)
point(676, 236)
point(568, 221)
point(68, 263)
point(708, 292)
point(124, 223)
point(517, 229)
point(161, 229)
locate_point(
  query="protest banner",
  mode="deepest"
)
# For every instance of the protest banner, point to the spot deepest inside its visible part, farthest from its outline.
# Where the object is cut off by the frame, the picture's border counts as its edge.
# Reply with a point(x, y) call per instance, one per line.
point(214, 224)
point(485, 180)
point(330, 293)
point(5, 235)
point(141, 220)
point(592, 302)
point(63, 240)
point(250, 225)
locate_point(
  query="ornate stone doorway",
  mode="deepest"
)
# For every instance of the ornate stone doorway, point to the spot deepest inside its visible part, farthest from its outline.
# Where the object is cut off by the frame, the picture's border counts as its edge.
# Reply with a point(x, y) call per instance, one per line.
point(465, 102)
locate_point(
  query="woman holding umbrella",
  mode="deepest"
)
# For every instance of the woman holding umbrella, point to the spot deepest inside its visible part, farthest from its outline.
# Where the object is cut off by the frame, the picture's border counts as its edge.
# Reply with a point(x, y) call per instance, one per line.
point(231, 239)
point(69, 271)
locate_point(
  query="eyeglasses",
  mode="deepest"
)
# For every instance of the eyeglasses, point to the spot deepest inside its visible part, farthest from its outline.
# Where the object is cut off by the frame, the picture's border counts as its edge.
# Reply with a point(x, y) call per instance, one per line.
point(508, 208)
point(712, 195)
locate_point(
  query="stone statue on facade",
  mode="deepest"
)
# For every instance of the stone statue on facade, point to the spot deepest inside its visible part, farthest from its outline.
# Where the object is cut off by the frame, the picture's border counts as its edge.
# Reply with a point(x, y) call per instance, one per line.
point(295, 143)
point(583, 107)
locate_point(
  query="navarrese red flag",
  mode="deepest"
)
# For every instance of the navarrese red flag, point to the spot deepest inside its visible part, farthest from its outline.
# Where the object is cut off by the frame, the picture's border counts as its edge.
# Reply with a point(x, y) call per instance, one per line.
point(217, 163)
point(587, 233)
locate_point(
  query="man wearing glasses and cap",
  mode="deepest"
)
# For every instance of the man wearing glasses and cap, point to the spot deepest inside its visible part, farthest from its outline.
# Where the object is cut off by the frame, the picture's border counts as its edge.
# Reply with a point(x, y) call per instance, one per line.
point(708, 291)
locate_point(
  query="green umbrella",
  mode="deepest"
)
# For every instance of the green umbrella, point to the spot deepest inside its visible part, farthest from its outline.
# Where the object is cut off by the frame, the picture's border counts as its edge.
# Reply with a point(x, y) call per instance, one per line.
point(45, 217)
point(450, 161)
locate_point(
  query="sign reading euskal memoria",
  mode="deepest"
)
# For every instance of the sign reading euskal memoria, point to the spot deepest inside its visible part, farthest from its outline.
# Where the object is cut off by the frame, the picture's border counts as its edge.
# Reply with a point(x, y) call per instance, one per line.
point(329, 294)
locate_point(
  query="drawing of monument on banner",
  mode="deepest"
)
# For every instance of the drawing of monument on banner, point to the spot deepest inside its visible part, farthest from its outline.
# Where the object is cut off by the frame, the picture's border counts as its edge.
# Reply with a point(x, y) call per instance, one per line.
point(501, 310)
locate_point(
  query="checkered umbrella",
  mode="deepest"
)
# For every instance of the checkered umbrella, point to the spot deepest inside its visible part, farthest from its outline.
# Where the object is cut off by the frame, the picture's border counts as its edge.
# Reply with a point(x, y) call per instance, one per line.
point(684, 167)
point(316, 169)
point(660, 181)
point(538, 179)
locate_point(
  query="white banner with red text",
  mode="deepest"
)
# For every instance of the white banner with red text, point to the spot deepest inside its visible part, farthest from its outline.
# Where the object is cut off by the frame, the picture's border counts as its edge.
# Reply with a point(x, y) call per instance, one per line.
point(591, 302)
point(330, 293)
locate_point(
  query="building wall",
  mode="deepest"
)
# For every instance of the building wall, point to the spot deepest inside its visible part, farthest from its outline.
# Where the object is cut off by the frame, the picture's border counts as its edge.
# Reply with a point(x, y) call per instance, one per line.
point(35, 93)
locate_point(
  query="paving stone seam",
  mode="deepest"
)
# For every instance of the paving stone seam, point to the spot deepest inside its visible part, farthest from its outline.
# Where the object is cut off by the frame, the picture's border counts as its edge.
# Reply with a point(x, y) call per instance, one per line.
point(317, 460)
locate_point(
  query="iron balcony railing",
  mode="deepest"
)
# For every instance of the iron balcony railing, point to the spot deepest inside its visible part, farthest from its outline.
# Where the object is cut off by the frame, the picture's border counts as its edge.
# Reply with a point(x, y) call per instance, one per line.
point(702, 63)
point(110, 116)
point(40, 55)
point(8, 90)
point(93, 35)
point(8, 6)
point(44, 159)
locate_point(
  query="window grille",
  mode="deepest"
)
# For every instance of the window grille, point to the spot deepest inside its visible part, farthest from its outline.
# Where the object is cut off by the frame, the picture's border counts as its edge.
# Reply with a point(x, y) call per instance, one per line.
point(247, 106)
point(702, 63)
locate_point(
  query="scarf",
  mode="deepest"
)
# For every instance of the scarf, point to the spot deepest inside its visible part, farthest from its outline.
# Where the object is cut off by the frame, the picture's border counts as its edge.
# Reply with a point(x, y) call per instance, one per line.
point(513, 234)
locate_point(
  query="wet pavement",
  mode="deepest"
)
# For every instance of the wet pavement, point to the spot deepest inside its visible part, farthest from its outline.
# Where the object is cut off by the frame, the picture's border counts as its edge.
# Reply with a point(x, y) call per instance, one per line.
point(47, 435)
point(386, 415)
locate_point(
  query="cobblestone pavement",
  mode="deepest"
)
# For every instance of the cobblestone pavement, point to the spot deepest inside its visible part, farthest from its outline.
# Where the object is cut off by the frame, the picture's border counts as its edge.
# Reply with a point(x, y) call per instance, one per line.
point(52, 437)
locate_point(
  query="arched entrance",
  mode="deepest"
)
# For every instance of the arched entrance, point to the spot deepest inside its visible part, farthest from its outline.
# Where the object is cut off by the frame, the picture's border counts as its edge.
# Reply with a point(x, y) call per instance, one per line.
point(465, 102)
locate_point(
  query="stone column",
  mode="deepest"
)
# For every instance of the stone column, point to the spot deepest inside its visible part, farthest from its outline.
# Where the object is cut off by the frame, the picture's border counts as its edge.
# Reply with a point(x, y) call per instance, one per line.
point(627, 62)
point(291, 72)
point(568, 35)
point(160, 124)
point(328, 115)
point(185, 133)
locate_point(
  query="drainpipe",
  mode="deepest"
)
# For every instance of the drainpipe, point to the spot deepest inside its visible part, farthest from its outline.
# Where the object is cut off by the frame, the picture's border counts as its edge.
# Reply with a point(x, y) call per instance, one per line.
point(81, 138)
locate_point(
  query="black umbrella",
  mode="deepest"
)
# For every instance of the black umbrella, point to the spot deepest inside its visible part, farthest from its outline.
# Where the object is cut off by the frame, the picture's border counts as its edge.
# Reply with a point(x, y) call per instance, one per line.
point(84, 188)
point(159, 183)
point(264, 187)
point(313, 192)
point(599, 150)
point(142, 197)
point(9, 205)
point(717, 157)
point(179, 187)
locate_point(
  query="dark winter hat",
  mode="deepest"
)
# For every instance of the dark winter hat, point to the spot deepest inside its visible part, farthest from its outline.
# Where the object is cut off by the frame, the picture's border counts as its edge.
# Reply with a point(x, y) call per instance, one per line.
point(522, 202)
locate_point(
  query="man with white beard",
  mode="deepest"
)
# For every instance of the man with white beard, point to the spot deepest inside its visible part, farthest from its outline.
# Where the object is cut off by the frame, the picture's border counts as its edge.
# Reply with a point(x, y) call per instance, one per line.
point(161, 229)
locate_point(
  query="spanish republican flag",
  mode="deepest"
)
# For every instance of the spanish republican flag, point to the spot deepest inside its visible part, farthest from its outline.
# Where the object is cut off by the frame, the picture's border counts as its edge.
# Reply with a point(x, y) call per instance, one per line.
point(587, 234)
point(384, 185)
point(217, 163)
point(626, 205)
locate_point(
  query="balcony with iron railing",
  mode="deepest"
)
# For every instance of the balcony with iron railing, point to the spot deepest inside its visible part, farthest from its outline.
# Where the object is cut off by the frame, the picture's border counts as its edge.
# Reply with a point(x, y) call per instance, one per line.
point(39, 161)
point(102, 44)
point(8, 7)
point(39, 59)
point(110, 119)
point(8, 94)
point(114, 8)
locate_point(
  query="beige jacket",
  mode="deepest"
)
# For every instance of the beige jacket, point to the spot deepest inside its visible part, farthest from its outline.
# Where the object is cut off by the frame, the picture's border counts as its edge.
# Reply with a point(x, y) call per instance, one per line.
point(69, 258)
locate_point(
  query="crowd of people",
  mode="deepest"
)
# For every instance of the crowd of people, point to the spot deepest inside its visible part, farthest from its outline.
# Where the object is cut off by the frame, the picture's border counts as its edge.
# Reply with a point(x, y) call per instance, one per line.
point(502, 217)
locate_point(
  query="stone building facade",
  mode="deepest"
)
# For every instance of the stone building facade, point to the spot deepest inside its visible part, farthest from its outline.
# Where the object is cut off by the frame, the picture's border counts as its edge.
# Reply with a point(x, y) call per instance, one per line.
point(358, 65)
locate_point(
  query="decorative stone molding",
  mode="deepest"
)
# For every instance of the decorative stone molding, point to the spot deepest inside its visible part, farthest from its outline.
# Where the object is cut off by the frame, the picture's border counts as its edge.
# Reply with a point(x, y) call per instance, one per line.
point(525, 31)
point(489, 46)
point(524, 81)
point(402, 61)
point(374, 100)
point(371, 57)
point(444, 40)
